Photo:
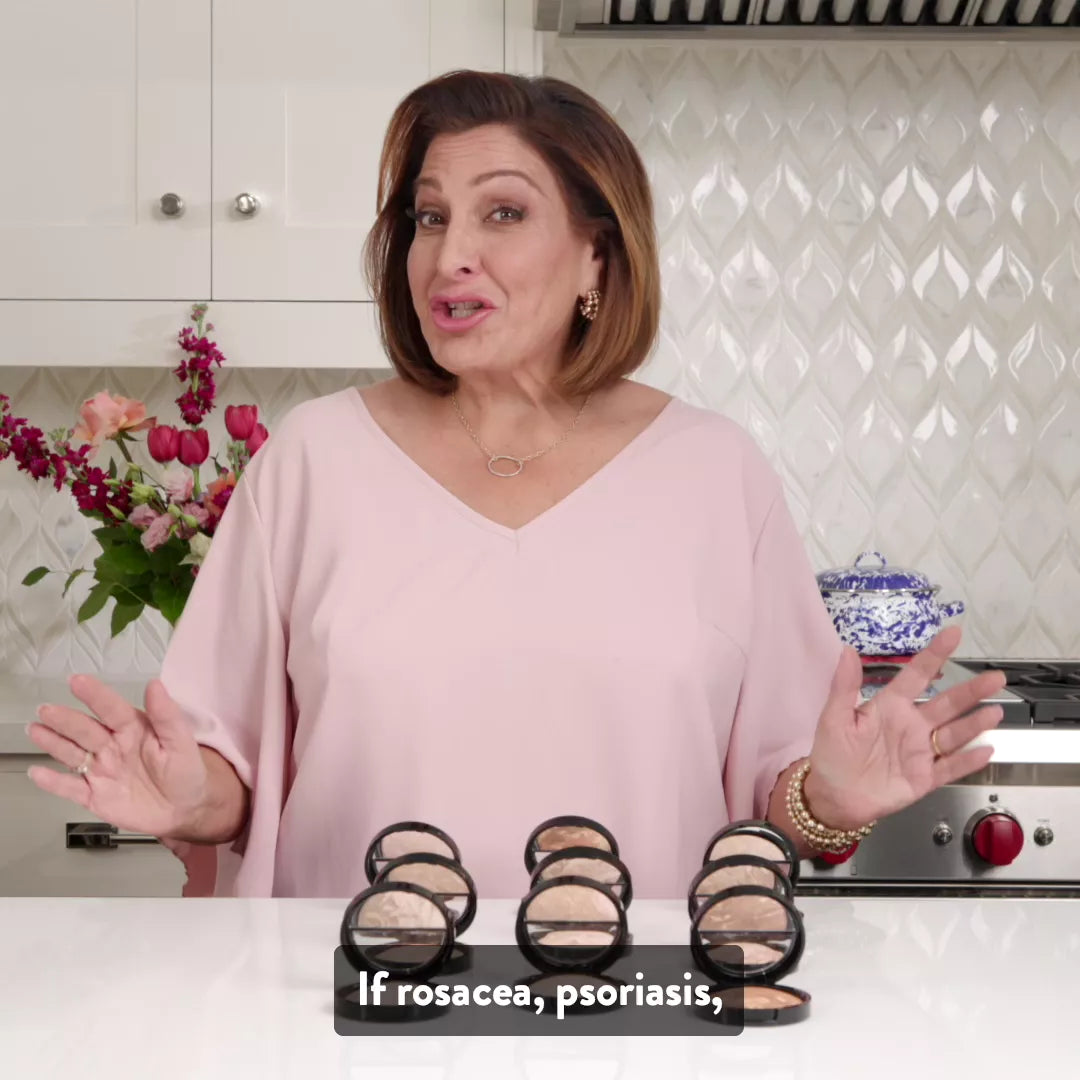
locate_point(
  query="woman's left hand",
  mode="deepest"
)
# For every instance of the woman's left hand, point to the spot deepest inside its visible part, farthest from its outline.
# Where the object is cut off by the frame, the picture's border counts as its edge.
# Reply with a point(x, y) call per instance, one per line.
point(874, 758)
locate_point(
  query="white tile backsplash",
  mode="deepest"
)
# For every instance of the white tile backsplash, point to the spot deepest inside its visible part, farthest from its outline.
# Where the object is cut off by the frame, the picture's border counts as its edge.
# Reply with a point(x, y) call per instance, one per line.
point(871, 259)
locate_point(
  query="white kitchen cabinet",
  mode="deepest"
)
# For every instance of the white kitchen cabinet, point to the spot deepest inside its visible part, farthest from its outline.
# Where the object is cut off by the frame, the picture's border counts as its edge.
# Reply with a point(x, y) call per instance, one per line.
point(303, 92)
point(104, 109)
point(35, 859)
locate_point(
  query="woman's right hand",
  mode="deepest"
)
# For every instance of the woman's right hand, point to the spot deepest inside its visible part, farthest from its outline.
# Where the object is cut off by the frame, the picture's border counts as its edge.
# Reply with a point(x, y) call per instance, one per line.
point(147, 773)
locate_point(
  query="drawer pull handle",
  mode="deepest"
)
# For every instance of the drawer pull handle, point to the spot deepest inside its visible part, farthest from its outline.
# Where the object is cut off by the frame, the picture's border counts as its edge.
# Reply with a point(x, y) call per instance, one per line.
point(99, 834)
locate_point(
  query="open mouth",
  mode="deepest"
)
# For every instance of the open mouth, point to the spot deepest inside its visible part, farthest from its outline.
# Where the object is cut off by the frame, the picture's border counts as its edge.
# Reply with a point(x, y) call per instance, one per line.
point(461, 309)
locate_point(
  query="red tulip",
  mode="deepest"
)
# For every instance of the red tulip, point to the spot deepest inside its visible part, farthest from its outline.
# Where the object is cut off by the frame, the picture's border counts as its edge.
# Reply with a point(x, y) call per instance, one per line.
point(194, 447)
point(163, 442)
point(257, 438)
point(240, 420)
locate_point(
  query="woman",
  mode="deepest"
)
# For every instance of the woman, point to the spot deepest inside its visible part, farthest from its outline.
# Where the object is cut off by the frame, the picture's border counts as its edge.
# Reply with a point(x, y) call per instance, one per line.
point(508, 583)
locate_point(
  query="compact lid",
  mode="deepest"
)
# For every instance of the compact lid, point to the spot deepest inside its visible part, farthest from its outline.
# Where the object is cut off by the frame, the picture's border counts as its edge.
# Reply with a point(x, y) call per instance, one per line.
point(589, 862)
point(754, 837)
point(566, 830)
point(746, 934)
point(397, 927)
point(448, 880)
point(871, 573)
point(571, 924)
point(407, 838)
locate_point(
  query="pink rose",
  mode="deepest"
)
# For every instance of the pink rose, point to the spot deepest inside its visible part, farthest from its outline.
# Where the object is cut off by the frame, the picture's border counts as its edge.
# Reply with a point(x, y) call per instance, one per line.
point(142, 516)
point(104, 416)
point(179, 483)
point(157, 532)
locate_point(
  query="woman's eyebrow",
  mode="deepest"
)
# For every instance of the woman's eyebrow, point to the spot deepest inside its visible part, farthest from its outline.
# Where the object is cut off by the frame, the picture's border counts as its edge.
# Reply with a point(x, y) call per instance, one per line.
point(430, 181)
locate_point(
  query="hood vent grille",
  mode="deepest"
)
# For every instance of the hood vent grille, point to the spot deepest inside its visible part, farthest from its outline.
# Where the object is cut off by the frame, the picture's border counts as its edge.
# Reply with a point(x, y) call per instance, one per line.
point(991, 19)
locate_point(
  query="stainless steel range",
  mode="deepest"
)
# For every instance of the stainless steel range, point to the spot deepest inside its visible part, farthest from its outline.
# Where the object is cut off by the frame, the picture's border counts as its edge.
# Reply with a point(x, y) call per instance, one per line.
point(1013, 828)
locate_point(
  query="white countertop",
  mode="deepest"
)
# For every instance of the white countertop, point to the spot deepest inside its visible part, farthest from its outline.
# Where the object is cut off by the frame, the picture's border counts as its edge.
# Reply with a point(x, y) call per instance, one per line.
point(902, 990)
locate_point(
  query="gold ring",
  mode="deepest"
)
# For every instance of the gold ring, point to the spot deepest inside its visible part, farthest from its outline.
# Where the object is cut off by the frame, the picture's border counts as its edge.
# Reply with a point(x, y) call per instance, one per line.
point(934, 743)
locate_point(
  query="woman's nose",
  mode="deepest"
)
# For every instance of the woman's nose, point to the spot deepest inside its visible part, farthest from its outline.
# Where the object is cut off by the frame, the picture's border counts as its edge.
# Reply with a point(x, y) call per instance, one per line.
point(459, 250)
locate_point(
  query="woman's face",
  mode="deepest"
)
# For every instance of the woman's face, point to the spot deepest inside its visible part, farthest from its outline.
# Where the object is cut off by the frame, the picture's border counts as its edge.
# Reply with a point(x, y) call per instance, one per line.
point(493, 233)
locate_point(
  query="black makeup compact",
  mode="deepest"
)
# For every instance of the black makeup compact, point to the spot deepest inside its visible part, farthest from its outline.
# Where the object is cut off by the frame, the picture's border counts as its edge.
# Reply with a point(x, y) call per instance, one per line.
point(746, 938)
point(760, 838)
point(732, 870)
point(401, 932)
point(593, 863)
point(566, 831)
point(407, 838)
point(452, 884)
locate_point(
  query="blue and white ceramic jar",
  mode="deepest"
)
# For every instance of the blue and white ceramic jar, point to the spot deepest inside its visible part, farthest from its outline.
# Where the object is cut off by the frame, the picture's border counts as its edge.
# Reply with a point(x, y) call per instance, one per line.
point(883, 610)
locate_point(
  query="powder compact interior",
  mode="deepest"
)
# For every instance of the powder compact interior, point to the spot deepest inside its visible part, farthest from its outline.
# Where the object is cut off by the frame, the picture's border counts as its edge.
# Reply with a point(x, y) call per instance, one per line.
point(589, 862)
point(732, 870)
point(452, 884)
point(745, 939)
point(568, 830)
point(403, 929)
point(572, 928)
point(407, 838)
point(760, 838)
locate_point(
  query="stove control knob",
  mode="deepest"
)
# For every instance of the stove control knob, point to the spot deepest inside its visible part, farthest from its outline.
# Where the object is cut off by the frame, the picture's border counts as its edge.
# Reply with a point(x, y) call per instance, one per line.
point(1043, 835)
point(942, 834)
point(996, 837)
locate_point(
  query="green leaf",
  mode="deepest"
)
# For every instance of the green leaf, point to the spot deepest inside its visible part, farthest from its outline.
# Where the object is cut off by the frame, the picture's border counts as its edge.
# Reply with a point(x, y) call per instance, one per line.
point(112, 468)
point(71, 579)
point(35, 575)
point(125, 613)
point(95, 601)
point(122, 561)
point(169, 599)
point(107, 534)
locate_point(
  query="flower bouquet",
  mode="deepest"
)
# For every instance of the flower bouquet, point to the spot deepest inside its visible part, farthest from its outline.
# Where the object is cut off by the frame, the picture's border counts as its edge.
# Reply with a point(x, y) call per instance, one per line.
point(156, 523)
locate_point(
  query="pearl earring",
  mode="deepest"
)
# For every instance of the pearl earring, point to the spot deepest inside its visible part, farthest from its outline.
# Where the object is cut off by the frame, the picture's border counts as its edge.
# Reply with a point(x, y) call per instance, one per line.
point(590, 304)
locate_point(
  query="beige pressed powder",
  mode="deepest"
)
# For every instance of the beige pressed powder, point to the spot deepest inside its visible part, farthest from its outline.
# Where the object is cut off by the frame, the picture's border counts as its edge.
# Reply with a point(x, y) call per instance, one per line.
point(407, 838)
point(567, 831)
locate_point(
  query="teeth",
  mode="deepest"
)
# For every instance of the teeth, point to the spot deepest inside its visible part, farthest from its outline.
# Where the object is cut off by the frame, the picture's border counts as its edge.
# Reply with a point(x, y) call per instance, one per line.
point(464, 310)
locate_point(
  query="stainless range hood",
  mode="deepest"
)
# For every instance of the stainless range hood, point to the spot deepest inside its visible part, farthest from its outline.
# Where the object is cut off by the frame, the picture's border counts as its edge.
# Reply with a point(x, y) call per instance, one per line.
point(835, 19)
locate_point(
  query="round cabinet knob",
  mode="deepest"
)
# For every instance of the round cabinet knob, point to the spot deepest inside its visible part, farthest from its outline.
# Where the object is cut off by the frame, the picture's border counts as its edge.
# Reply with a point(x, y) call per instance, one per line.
point(1043, 835)
point(996, 837)
point(246, 204)
point(171, 204)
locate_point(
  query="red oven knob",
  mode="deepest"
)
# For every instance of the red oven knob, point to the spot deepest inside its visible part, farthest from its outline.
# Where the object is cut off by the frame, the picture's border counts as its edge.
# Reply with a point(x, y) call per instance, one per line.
point(996, 837)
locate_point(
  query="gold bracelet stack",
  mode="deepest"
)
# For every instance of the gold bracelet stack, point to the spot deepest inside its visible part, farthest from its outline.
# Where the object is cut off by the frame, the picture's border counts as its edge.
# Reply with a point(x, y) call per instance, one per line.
point(821, 837)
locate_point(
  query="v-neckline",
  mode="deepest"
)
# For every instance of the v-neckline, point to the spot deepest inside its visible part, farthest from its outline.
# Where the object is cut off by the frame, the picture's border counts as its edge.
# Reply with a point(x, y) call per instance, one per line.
point(645, 435)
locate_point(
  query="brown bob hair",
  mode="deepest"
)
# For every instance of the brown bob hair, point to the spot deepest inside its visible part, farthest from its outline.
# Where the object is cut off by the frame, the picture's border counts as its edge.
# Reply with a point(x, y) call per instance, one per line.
point(605, 187)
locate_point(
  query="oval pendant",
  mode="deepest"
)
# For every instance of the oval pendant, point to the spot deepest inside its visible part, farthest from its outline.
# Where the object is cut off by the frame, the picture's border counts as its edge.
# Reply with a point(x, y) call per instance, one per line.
point(505, 457)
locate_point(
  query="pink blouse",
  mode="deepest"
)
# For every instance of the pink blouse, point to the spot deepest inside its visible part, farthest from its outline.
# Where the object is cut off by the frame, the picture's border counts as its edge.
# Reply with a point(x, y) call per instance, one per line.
point(365, 648)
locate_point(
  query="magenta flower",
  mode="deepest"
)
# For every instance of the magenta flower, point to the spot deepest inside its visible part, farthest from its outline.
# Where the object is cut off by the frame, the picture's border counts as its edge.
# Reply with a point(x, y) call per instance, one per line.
point(194, 447)
point(163, 442)
point(257, 438)
point(240, 420)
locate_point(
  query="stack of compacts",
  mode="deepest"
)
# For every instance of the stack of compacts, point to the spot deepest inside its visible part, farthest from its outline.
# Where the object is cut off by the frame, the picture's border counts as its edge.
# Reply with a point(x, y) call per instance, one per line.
point(571, 925)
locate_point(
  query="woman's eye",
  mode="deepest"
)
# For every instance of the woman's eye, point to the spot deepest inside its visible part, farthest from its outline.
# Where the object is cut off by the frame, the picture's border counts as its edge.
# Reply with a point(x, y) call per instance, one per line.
point(426, 219)
point(506, 213)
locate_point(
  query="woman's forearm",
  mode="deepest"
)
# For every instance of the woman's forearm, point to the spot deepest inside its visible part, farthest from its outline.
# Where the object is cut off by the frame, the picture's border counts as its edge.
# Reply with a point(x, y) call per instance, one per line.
point(223, 815)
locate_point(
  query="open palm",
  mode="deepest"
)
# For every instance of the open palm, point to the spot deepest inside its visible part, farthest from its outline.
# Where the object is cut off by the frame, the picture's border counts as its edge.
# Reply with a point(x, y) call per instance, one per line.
point(873, 758)
point(146, 773)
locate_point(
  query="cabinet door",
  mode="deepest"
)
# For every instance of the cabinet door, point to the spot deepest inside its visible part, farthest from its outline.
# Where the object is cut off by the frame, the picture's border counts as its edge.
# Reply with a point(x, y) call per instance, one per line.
point(104, 108)
point(303, 92)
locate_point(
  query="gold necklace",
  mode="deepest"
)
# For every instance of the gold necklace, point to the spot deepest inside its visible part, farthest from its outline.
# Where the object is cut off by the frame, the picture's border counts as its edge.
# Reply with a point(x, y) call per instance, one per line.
point(518, 461)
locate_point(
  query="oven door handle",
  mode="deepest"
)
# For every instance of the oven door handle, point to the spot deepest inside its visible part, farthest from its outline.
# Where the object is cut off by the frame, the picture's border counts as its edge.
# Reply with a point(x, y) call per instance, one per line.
point(97, 835)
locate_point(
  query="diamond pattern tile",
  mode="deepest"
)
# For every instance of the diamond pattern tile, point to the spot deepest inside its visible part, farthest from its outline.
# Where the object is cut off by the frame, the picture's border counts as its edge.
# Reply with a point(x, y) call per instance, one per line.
point(872, 261)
